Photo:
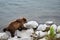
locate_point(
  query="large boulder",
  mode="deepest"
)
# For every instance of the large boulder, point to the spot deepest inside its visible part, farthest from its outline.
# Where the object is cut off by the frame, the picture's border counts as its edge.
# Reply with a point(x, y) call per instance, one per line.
point(31, 24)
point(25, 33)
point(23, 38)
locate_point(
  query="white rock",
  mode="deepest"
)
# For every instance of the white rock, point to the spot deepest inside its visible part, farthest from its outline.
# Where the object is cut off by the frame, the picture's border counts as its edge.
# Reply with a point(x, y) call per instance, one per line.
point(49, 22)
point(26, 38)
point(58, 29)
point(41, 27)
point(23, 38)
point(3, 36)
point(13, 39)
point(57, 35)
point(40, 33)
point(25, 33)
point(43, 39)
point(54, 26)
point(31, 24)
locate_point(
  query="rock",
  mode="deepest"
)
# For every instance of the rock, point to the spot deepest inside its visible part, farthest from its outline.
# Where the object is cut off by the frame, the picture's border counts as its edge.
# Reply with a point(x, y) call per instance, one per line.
point(43, 39)
point(58, 35)
point(14, 38)
point(58, 29)
point(49, 22)
point(40, 33)
point(31, 24)
point(41, 27)
point(4, 36)
point(23, 38)
point(26, 38)
point(25, 33)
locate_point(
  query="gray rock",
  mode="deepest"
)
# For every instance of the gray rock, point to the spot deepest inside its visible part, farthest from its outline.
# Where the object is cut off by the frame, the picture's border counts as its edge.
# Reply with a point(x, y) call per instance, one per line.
point(4, 36)
point(40, 34)
point(26, 38)
point(58, 35)
point(42, 27)
point(23, 38)
point(14, 38)
point(49, 22)
point(43, 39)
point(58, 29)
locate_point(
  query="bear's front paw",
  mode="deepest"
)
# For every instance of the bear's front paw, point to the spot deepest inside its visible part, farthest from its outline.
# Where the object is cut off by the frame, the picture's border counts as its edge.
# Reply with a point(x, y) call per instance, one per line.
point(20, 29)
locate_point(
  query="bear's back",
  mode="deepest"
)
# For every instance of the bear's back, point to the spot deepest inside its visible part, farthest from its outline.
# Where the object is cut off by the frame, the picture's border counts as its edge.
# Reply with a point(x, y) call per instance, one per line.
point(14, 25)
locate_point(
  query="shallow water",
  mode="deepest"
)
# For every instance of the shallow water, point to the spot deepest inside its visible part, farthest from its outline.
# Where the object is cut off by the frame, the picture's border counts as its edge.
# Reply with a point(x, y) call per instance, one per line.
point(39, 10)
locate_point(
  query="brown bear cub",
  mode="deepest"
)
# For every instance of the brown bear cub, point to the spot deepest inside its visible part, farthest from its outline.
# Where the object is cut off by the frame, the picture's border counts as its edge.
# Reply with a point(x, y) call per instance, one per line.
point(16, 25)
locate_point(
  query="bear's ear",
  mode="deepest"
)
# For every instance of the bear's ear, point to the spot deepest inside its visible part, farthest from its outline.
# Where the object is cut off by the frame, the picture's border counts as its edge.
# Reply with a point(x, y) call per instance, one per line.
point(24, 19)
point(18, 20)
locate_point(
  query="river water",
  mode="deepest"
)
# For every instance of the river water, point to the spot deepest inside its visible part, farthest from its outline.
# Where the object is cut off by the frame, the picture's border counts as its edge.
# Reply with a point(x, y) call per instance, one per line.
point(38, 10)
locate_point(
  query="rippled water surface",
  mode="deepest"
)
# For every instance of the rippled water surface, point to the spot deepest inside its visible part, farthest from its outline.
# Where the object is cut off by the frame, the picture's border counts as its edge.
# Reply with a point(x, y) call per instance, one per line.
point(39, 10)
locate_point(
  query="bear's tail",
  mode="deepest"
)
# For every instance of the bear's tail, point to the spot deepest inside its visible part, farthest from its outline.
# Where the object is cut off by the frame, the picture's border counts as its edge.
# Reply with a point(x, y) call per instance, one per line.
point(4, 30)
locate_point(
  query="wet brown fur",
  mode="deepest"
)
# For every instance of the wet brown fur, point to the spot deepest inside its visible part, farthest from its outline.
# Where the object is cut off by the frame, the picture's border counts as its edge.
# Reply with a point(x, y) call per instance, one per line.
point(15, 25)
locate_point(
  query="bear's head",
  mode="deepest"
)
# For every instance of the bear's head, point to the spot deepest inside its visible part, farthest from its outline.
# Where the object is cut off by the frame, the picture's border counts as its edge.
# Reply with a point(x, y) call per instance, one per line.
point(22, 20)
